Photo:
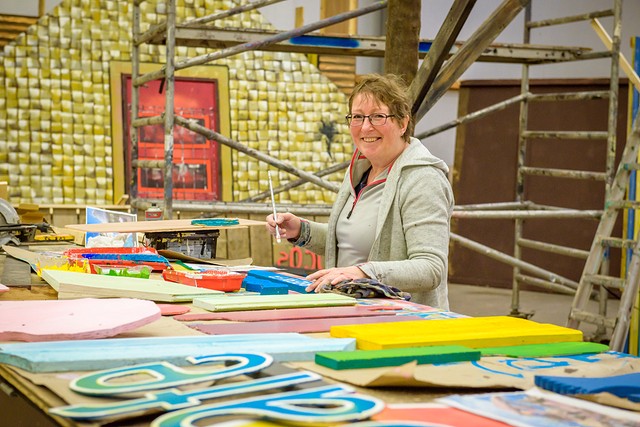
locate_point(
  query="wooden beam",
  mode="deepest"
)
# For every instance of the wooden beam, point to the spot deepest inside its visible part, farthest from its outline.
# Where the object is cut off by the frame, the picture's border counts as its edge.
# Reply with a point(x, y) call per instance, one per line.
point(471, 51)
point(403, 38)
point(439, 51)
point(624, 64)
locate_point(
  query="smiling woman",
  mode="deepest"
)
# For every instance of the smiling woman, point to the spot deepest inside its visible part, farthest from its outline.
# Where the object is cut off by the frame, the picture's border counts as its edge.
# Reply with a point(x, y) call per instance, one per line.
point(390, 221)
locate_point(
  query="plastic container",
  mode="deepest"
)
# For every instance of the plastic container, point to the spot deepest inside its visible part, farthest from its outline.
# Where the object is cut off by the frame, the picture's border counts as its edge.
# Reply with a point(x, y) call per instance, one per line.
point(138, 271)
point(226, 281)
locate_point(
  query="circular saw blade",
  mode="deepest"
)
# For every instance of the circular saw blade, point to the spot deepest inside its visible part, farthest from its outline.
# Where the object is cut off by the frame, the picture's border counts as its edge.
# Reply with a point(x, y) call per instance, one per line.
point(8, 215)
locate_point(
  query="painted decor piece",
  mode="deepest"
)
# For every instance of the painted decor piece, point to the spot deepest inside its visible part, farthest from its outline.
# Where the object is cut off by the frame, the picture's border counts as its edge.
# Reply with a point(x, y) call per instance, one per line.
point(477, 332)
point(110, 353)
point(625, 386)
point(173, 309)
point(215, 222)
point(546, 349)
point(292, 313)
point(538, 408)
point(300, 325)
point(360, 359)
point(435, 414)
point(296, 284)
point(265, 302)
point(488, 372)
point(87, 318)
point(339, 403)
point(79, 285)
point(4, 288)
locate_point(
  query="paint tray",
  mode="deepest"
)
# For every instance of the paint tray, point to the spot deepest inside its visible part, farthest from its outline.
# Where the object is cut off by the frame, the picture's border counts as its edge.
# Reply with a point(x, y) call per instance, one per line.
point(226, 281)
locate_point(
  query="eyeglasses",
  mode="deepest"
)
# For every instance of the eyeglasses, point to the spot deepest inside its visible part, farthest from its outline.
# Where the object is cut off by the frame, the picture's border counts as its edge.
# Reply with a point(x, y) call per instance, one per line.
point(377, 119)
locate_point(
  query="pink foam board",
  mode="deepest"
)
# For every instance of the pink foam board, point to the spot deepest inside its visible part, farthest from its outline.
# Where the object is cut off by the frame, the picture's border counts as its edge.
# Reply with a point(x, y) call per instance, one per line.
point(86, 318)
point(298, 325)
point(290, 313)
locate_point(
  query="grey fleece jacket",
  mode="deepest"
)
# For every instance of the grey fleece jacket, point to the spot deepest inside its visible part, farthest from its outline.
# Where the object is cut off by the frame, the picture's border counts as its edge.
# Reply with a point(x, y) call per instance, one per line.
point(410, 249)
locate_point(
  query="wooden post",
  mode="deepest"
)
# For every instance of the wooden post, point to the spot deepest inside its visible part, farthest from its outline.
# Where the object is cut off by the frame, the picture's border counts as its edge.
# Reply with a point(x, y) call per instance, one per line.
point(403, 34)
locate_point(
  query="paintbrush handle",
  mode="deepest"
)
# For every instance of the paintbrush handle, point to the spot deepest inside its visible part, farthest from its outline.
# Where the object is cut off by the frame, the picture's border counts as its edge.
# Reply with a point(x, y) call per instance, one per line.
point(273, 204)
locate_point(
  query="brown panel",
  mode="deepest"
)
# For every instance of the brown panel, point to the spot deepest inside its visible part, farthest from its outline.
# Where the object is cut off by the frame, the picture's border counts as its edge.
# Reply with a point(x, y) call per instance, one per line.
point(485, 171)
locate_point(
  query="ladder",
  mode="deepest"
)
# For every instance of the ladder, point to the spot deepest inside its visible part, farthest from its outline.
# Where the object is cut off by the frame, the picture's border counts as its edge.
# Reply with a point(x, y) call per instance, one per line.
point(529, 137)
point(602, 241)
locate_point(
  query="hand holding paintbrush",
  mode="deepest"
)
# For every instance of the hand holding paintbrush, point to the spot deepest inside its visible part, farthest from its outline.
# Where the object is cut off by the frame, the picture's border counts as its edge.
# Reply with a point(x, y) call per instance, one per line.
point(281, 225)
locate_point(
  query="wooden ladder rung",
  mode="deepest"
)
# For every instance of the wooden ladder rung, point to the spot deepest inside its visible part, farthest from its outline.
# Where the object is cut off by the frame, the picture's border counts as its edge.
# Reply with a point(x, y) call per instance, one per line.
point(616, 242)
point(606, 281)
point(568, 96)
point(592, 318)
point(549, 134)
point(564, 173)
point(622, 204)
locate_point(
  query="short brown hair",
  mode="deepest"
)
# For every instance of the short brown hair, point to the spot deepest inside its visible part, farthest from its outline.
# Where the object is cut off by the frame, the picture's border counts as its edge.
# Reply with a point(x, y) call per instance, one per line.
point(389, 90)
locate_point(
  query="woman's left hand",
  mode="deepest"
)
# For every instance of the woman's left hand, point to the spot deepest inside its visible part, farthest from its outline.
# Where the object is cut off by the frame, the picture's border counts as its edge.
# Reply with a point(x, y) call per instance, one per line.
point(331, 276)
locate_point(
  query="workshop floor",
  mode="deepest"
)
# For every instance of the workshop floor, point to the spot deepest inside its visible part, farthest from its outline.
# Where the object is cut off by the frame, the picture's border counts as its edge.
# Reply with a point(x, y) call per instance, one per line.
point(546, 307)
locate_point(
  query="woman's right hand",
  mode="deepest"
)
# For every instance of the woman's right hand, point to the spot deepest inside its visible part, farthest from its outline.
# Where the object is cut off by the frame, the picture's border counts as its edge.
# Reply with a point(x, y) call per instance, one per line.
point(288, 225)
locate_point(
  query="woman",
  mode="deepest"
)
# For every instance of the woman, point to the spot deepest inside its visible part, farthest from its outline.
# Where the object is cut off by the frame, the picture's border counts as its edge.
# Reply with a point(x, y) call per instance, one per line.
point(390, 220)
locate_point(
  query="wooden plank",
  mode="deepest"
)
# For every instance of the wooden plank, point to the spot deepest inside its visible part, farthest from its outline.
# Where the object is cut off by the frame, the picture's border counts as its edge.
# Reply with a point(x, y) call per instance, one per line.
point(478, 332)
point(395, 357)
point(85, 318)
point(78, 285)
point(291, 313)
point(439, 50)
point(261, 247)
point(91, 355)
point(265, 302)
point(156, 226)
point(299, 325)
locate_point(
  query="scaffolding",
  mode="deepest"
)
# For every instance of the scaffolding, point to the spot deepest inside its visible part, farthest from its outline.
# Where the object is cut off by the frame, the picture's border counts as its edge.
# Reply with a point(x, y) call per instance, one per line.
point(445, 59)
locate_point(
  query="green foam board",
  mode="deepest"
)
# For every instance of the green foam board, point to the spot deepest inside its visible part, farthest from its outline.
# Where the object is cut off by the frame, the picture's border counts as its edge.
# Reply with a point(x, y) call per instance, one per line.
point(546, 350)
point(396, 356)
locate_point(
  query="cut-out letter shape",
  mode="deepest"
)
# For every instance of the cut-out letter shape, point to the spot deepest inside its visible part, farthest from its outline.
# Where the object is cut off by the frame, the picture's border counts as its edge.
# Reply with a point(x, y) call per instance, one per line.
point(328, 404)
point(164, 375)
point(169, 400)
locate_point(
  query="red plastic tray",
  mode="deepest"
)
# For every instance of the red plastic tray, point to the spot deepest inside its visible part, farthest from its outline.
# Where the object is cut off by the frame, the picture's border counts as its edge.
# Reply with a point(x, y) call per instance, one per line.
point(226, 281)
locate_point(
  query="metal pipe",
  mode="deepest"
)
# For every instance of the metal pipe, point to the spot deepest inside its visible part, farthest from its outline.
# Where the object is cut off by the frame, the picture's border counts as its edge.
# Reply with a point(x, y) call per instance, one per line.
point(508, 259)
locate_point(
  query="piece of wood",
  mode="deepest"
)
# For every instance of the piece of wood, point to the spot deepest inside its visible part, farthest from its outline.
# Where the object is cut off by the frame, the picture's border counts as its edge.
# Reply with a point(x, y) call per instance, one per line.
point(298, 325)
point(16, 272)
point(89, 355)
point(89, 318)
point(265, 302)
point(475, 332)
point(296, 284)
point(292, 313)
point(25, 255)
point(77, 285)
point(360, 359)
point(626, 386)
point(264, 287)
point(546, 349)
point(173, 309)
point(156, 226)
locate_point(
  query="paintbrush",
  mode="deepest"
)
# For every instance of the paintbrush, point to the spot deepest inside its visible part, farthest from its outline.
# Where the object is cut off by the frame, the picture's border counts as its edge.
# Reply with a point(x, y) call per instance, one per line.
point(273, 203)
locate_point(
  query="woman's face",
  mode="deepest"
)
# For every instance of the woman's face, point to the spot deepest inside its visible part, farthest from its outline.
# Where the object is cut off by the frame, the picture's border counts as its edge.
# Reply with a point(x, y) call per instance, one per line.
point(381, 144)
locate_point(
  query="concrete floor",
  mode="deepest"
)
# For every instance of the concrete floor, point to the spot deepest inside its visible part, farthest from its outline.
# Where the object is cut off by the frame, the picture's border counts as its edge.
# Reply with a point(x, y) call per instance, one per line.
point(546, 307)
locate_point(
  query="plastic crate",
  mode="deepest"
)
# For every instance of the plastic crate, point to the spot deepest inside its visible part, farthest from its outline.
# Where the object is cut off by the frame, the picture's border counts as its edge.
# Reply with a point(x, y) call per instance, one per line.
point(226, 281)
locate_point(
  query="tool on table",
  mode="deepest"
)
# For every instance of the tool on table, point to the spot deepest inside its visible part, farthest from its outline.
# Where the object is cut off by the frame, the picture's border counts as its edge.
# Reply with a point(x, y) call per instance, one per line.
point(273, 203)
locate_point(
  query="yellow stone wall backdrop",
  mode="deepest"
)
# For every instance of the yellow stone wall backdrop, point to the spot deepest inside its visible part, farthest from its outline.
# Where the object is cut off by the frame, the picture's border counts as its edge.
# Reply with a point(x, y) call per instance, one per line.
point(55, 104)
